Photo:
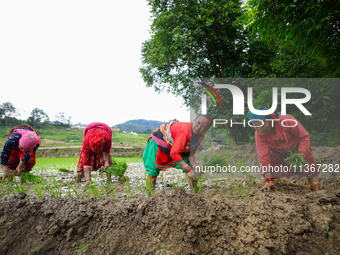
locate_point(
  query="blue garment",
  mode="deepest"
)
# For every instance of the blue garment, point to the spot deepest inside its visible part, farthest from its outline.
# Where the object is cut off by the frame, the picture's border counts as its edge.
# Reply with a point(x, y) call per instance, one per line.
point(256, 118)
point(13, 143)
point(193, 142)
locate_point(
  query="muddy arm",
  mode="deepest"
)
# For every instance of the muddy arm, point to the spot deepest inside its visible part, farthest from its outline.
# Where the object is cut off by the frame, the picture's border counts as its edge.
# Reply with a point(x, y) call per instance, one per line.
point(106, 157)
point(20, 167)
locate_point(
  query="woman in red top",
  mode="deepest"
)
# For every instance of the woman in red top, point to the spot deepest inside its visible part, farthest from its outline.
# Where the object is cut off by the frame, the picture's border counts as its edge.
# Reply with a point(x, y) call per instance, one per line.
point(95, 150)
point(22, 143)
point(173, 144)
point(274, 141)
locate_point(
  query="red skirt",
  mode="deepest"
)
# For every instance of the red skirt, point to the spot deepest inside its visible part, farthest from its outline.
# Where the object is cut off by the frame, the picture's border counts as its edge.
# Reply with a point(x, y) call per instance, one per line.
point(97, 161)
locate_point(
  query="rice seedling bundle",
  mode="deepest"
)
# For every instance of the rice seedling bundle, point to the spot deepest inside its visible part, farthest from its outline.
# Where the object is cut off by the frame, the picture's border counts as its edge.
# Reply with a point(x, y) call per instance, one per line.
point(118, 168)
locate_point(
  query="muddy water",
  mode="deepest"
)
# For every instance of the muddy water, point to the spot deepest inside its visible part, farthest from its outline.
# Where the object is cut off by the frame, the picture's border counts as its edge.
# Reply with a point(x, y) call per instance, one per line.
point(136, 174)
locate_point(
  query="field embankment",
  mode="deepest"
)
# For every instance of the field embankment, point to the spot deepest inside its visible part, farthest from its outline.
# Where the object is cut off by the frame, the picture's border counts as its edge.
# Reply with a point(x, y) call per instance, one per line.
point(218, 220)
point(267, 223)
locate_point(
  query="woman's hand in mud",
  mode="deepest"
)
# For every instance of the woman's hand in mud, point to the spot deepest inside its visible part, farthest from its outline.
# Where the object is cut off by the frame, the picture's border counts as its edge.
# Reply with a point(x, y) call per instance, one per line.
point(105, 167)
point(268, 186)
point(192, 174)
point(18, 171)
point(10, 174)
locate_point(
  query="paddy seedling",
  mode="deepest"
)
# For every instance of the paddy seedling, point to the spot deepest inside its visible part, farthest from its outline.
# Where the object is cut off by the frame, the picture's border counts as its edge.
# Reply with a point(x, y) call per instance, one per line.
point(231, 193)
point(38, 190)
point(327, 230)
point(118, 168)
point(252, 185)
point(19, 186)
point(107, 188)
point(296, 160)
point(2, 188)
point(69, 192)
point(95, 190)
point(34, 250)
point(183, 182)
point(216, 187)
point(140, 187)
point(53, 188)
point(149, 186)
point(114, 192)
point(75, 192)
point(127, 187)
point(81, 247)
point(10, 188)
point(200, 184)
point(28, 177)
point(159, 248)
point(64, 170)
point(87, 193)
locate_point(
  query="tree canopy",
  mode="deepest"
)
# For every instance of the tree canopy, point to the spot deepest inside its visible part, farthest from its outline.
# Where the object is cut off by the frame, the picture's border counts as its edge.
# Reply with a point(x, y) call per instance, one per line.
point(8, 110)
point(191, 39)
point(62, 120)
point(196, 39)
point(312, 27)
point(38, 116)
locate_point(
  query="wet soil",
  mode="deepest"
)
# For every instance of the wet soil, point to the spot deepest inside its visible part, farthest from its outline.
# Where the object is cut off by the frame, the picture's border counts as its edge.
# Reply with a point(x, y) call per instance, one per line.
point(290, 220)
point(266, 223)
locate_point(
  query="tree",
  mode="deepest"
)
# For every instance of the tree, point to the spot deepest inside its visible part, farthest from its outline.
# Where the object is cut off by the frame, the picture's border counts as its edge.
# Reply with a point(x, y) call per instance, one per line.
point(8, 110)
point(324, 106)
point(312, 27)
point(62, 120)
point(38, 116)
point(192, 39)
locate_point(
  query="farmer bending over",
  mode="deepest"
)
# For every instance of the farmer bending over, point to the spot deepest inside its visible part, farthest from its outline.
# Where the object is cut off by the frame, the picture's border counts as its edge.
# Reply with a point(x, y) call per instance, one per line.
point(22, 143)
point(274, 144)
point(95, 150)
point(169, 146)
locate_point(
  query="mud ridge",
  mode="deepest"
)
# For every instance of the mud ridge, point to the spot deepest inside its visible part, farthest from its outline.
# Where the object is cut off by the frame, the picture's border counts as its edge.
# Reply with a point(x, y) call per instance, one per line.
point(178, 224)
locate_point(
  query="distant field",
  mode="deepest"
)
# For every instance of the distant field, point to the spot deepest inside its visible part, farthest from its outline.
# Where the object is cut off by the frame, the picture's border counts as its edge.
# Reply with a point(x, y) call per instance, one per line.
point(74, 137)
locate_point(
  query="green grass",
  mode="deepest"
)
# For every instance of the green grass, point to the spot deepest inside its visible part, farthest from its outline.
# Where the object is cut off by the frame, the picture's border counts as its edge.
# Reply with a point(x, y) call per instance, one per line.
point(54, 137)
point(70, 163)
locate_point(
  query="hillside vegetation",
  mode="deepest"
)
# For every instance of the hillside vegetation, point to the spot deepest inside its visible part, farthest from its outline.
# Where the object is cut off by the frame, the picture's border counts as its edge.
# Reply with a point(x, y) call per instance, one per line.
point(139, 126)
point(55, 137)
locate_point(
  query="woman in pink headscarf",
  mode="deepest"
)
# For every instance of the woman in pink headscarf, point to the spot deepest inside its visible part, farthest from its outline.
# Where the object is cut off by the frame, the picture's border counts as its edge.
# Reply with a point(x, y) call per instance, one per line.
point(95, 150)
point(22, 143)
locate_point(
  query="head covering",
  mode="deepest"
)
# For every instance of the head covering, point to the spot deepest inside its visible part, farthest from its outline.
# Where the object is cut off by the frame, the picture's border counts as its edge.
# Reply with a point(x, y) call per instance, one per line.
point(97, 124)
point(255, 118)
point(96, 142)
point(29, 139)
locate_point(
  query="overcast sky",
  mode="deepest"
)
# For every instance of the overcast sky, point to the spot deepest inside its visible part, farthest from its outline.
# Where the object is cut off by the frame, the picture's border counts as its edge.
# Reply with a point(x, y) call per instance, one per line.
point(81, 58)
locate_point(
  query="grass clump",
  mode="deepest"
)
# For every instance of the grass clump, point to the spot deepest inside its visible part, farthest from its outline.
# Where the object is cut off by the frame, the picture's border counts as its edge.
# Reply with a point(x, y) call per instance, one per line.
point(118, 168)
point(31, 177)
point(296, 159)
point(64, 170)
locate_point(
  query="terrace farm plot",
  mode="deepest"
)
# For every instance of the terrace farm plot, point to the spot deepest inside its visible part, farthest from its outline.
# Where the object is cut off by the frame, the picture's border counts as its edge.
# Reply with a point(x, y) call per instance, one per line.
point(226, 216)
